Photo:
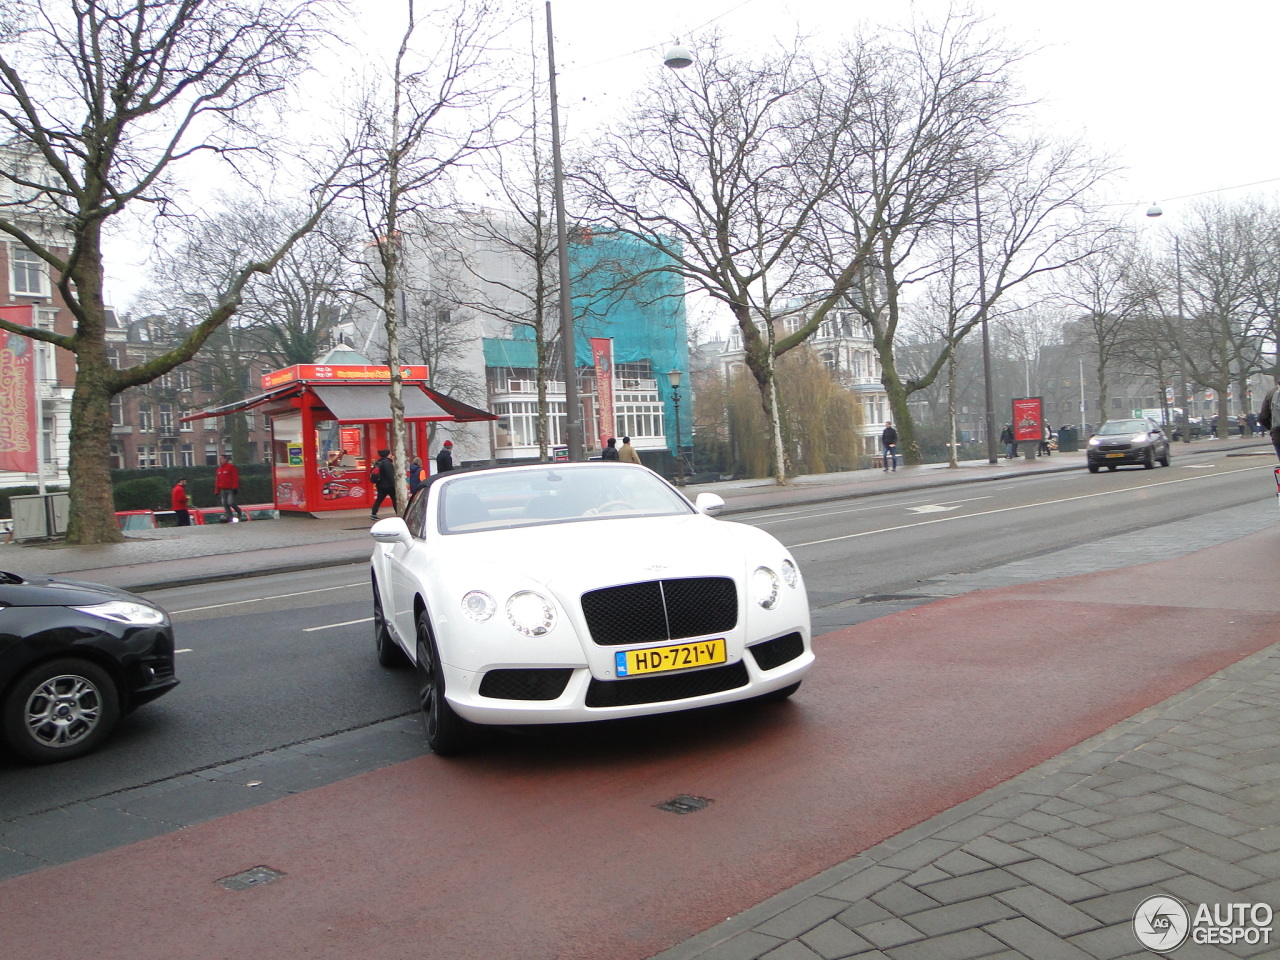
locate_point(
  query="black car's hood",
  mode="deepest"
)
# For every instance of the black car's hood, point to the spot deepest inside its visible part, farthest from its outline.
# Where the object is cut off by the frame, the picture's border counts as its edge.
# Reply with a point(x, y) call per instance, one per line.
point(17, 591)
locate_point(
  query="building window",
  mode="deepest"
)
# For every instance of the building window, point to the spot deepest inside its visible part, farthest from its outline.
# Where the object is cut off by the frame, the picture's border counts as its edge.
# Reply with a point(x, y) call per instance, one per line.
point(147, 456)
point(188, 455)
point(210, 424)
point(168, 456)
point(518, 423)
point(211, 454)
point(27, 272)
point(115, 459)
point(117, 411)
point(166, 422)
point(145, 422)
point(184, 426)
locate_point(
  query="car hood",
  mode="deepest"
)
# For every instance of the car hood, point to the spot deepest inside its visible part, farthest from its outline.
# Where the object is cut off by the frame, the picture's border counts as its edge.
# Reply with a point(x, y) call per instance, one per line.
point(606, 552)
point(19, 591)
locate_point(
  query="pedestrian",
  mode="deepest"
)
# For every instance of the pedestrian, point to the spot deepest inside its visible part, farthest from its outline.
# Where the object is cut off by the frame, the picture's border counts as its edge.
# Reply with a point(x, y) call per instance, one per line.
point(383, 477)
point(226, 487)
point(417, 475)
point(1267, 420)
point(181, 502)
point(889, 446)
point(1006, 437)
point(627, 453)
point(1044, 440)
point(444, 459)
point(610, 451)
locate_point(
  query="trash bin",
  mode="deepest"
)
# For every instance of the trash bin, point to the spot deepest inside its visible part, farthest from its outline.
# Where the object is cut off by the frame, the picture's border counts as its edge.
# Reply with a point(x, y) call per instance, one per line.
point(1068, 440)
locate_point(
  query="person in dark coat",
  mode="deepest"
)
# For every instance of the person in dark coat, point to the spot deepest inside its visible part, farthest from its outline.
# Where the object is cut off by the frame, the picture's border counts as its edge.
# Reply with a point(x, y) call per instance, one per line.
point(417, 475)
point(444, 459)
point(1006, 437)
point(1267, 418)
point(889, 446)
point(610, 451)
point(383, 475)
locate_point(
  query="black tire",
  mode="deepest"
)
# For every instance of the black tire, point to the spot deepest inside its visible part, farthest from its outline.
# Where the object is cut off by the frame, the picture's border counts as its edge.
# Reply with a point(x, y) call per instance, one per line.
point(389, 653)
point(777, 696)
point(1149, 461)
point(447, 733)
point(1094, 468)
point(60, 710)
point(1164, 461)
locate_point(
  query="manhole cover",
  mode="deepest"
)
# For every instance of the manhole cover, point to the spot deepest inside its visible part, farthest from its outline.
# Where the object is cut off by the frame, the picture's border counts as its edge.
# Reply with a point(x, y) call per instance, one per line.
point(255, 877)
point(684, 804)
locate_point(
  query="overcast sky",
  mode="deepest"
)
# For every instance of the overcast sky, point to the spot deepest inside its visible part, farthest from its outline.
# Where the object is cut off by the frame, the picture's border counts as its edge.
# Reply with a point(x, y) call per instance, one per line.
point(1178, 94)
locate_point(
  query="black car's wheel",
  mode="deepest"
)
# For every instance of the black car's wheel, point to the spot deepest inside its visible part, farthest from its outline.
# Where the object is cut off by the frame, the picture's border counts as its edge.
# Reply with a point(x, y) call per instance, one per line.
point(1164, 461)
point(60, 710)
point(1094, 468)
point(1149, 461)
point(447, 733)
point(389, 652)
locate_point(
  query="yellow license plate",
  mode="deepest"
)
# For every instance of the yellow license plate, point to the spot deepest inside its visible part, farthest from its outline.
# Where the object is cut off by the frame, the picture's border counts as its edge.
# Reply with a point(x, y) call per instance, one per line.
point(1109, 455)
point(681, 656)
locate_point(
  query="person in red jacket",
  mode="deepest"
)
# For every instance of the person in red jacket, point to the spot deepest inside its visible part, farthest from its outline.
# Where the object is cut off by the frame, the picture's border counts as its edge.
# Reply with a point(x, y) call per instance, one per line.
point(226, 484)
point(181, 502)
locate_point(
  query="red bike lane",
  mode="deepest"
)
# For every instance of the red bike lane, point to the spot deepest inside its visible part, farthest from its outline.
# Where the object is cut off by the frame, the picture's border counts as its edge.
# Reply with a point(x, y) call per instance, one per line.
point(553, 846)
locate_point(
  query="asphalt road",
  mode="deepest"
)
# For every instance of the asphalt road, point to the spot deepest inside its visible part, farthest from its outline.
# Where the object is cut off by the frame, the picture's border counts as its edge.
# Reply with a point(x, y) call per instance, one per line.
point(281, 660)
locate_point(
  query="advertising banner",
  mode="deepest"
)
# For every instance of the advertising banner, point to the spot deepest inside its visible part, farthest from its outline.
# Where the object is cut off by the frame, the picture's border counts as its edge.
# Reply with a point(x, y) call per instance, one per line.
point(1028, 419)
point(340, 373)
point(602, 357)
point(18, 437)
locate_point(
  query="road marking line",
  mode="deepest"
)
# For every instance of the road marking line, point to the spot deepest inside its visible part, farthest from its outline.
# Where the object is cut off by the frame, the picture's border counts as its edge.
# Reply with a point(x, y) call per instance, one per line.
point(1025, 506)
point(876, 506)
point(279, 596)
point(183, 650)
point(330, 626)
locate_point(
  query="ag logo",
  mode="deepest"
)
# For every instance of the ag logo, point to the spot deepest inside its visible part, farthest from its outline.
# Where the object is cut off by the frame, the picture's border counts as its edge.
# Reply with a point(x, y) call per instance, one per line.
point(1161, 923)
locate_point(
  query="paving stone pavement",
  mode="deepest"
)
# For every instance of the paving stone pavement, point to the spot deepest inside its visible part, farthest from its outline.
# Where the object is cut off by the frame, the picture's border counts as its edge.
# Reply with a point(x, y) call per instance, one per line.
point(1182, 799)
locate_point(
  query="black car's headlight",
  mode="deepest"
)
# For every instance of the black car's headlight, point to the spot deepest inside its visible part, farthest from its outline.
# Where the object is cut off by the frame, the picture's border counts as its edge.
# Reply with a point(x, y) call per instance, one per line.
point(127, 611)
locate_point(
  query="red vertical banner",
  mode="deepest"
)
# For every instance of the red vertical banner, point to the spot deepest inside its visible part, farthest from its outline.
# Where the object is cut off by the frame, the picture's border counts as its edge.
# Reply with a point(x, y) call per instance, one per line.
point(1028, 419)
point(602, 356)
point(18, 427)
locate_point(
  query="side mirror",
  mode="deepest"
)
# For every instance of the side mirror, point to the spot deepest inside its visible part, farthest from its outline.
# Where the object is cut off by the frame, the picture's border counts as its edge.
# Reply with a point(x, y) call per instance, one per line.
point(390, 530)
point(709, 503)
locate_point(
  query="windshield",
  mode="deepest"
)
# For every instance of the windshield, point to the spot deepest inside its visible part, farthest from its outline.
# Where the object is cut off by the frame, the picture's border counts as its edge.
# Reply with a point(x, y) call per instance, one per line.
point(1113, 428)
point(521, 497)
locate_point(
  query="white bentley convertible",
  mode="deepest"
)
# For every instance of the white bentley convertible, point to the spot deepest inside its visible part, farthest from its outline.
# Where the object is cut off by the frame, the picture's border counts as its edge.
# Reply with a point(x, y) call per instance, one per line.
point(559, 593)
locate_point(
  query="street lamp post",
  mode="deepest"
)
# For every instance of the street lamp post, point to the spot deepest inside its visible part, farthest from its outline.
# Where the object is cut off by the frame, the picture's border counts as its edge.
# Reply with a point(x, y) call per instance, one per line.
point(572, 423)
point(1181, 393)
point(988, 394)
point(674, 378)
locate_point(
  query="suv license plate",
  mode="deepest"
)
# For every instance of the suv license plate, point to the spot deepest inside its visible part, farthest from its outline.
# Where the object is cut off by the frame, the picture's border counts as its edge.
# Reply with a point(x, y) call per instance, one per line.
point(681, 656)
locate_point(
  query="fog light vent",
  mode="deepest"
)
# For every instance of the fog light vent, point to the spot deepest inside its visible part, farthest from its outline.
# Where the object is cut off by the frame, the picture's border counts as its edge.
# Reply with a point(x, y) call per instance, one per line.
point(255, 877)
point(684, 804)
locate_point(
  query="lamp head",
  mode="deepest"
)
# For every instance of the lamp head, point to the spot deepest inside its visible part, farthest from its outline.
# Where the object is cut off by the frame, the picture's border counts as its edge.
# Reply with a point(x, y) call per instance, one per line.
point(674, 379)
point(1154, 210)
point(677, 57)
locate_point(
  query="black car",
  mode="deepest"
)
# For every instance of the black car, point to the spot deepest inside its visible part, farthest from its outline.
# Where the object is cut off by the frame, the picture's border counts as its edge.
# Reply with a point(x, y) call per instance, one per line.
point(1136, 441)
point(74, 658)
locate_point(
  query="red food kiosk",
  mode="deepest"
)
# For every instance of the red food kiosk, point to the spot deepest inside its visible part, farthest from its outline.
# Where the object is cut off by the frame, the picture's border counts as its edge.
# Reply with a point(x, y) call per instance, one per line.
point(328, 422)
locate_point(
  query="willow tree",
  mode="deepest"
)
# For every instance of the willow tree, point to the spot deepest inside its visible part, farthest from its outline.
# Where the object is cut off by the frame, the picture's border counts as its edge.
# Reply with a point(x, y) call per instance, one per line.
point(102, 103)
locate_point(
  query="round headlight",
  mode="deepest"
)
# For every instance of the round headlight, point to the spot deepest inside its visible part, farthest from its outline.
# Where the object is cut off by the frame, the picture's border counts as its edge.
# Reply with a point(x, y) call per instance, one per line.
point(790, 575)
point(531, 613)
point(478, 605)
point(764, 587)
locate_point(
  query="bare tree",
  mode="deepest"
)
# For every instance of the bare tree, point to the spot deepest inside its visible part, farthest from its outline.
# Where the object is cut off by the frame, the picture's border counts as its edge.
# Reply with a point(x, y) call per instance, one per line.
point(939, 150)
point(433, 113)
point(720, 168)
point(1104, 294)
point(101, 101)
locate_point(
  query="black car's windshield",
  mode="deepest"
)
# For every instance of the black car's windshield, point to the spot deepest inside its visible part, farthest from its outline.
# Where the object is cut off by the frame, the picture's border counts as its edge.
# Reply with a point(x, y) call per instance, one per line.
point(1115, 428)
point(520, 497)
